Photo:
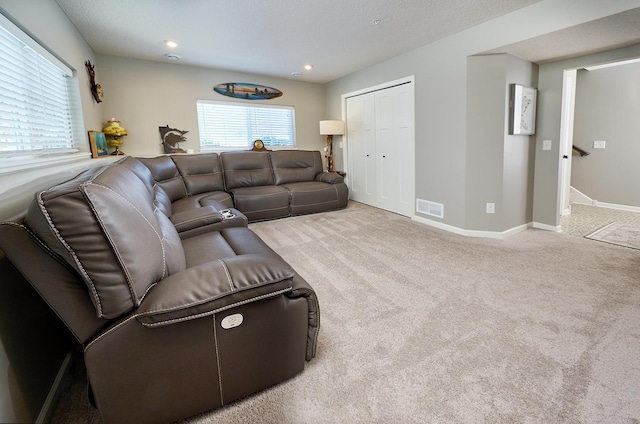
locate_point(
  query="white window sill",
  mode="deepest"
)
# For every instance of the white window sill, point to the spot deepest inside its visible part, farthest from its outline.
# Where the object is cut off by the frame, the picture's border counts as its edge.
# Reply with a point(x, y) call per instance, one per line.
point(21, 177)
point(21, 163)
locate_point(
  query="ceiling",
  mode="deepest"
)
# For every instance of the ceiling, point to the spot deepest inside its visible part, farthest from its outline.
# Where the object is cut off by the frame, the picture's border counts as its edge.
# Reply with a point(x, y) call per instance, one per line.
point(611, 32)
point(337, 37)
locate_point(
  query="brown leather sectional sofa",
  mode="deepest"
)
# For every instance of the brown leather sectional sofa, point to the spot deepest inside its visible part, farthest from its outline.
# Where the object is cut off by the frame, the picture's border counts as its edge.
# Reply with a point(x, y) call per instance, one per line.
point(174, 323)
point(261, 185)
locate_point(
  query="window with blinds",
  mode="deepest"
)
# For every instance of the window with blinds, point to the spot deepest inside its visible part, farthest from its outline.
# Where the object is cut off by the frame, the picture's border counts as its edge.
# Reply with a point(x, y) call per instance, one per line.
point(234, 126)
point(38, 98)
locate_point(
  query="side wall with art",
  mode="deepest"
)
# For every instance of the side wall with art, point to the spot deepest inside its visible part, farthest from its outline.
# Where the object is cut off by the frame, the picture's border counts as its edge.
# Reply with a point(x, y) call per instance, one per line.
point(440, 71)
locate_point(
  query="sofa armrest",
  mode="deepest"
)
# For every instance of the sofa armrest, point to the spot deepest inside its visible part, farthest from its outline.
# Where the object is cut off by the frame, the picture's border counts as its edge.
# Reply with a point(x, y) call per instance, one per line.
point(194, 218)
point(301, 288)
point(214, 287)
point(329, 177)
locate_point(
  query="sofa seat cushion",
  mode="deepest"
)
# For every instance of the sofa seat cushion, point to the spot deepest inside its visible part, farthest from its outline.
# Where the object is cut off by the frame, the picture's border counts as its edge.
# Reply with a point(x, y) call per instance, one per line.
point(313, 196)
point(262, 202)
point(223, 244)
point(214, 287)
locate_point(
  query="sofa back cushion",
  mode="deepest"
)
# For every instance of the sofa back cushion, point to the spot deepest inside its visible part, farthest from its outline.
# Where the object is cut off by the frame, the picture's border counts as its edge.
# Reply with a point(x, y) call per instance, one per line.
point(166, 175)
point(201, 173)
point(105, 225)
point(246, 169)
point(293, 166)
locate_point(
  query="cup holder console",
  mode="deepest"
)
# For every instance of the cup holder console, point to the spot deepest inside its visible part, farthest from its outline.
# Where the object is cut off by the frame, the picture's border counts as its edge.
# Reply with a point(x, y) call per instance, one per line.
point(227, 214)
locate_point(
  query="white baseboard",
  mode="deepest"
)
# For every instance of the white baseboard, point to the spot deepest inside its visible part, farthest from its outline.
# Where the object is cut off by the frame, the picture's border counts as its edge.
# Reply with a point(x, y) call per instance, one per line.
point(615, 206)
point(471, 233)
point(547, 227)
point(582, 199)
point(48, 407)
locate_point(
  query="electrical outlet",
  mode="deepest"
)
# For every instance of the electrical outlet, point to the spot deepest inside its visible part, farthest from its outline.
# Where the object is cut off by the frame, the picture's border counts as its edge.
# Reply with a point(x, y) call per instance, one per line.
point(546, 144)
point(491, 208)
point(599, 144)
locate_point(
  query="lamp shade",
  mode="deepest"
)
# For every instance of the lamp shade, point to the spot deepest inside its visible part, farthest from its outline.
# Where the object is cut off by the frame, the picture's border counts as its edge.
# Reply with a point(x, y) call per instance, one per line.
point(331, 127)
point(114, 128)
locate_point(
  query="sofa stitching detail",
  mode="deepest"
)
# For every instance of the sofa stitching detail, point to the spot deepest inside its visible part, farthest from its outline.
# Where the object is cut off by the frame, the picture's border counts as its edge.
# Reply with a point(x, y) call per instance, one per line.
point(226, 271)
point(212, 298)
point(215, 339)
point(215, 311)
point(92, 286)
point(107, 333)
point(261, 194)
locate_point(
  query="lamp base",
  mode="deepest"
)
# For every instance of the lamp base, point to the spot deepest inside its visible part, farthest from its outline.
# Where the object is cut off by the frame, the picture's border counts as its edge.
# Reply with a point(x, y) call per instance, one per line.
point(329, 153)
point(118, 152)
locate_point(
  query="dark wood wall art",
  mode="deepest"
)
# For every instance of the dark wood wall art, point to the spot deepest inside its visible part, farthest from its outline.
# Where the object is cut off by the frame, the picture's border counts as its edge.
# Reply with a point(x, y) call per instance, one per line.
point(170, 139)
point(96, 89)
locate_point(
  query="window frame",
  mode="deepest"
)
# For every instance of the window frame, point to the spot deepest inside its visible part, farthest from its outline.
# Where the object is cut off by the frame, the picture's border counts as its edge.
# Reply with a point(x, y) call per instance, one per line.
point(20, 160)
point(250, 138)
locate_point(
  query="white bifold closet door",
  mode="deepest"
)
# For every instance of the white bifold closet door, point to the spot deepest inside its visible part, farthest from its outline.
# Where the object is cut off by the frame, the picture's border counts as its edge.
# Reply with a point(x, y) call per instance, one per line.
point(380, 148)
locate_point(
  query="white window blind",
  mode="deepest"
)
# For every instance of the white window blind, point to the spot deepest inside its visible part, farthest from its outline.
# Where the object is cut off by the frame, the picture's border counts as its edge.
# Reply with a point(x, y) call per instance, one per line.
point(38, 98)
point(234, 126)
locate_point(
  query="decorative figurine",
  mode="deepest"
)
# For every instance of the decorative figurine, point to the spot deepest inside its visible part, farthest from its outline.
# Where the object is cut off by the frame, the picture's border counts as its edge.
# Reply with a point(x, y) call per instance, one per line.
point(170, 139)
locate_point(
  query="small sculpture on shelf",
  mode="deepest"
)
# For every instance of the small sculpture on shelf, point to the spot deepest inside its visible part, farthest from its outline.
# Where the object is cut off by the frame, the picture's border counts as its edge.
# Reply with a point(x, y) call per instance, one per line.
point(171, 137)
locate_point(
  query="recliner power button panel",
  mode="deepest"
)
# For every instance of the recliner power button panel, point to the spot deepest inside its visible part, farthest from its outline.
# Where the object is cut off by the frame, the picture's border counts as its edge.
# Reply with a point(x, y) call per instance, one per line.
point(231, 321)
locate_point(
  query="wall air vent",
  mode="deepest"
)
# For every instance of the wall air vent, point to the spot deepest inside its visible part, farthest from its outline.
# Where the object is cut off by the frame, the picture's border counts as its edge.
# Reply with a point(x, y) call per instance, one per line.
point(430, 208)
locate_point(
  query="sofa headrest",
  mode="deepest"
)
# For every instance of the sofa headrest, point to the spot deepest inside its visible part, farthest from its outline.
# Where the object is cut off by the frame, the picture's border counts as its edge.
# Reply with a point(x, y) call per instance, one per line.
point(201, 173)
point(104, 224)
point(246, 169)
point(292, 166)
point(166, 175)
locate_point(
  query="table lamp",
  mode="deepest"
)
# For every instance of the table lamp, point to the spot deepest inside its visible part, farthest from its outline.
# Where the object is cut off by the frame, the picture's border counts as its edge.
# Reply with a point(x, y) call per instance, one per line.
point(330, 128)
point(116, 132)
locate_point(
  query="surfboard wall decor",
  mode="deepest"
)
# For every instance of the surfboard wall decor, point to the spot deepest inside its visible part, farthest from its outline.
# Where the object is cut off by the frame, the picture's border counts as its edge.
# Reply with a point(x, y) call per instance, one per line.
point(243, 90)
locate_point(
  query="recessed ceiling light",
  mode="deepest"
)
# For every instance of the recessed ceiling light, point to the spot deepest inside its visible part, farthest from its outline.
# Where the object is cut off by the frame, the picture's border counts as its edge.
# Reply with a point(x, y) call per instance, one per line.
point(377, 21)
point(172, 56)
point(308, 67)
point(171, 44)
point(296, 74)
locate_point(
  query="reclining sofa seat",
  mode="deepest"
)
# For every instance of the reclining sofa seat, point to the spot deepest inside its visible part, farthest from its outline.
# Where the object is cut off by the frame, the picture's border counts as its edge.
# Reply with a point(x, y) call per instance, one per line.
point(171, 327)
point(248, 176)
point(310, 189)
point(189, 189)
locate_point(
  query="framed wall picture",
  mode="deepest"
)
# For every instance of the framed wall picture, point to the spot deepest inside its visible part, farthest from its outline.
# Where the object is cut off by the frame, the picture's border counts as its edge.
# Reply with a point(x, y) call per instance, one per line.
point(522, 110)
point(98, 144)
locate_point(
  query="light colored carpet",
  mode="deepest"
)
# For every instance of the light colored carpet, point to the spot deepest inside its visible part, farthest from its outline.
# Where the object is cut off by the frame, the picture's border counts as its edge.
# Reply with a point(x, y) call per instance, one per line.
point(423, 326)
point(619, 234)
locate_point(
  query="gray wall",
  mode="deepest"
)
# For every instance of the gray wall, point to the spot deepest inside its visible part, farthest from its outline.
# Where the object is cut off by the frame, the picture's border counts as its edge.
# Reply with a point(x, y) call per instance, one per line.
point(499, 165)
point(144, 95)
point(608, 108)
